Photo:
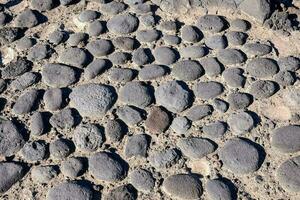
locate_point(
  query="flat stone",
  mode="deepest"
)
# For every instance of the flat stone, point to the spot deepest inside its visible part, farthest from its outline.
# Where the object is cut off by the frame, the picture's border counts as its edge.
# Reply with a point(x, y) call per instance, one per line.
point(262, 68)
point(208, 90)
point(211, 23)
point(286, 139)
point(142, 180)
point(288, 174)
point(11, 139)
point(130, 115)
point(123, 24)
point(136, 93)
point(57, 75)
point(240, 156)
point(88, 15)
point(231, 56)
point(88, 137)
point(165, 158)
point(137, 146)
point(263, 89)
point(24, 43)
point(106, 166)
point(220, 105)
point(182, 186)
point(92, 100)
point(187, 70)
point(240, 25)
point(195, 147)
point(173, 96)
point(164, 55)
point(147, 20)
point(26, 102)
point(240, 122)
point(168, 26)
point(171, 39)
point(100, 47)
point(157, 120)
point(70, 190)
point(11, 173)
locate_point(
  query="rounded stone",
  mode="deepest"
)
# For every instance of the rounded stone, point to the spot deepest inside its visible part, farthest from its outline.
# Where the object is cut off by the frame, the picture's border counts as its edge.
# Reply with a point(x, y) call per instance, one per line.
point(147, 20)
point(125, 43)
point(53, 99)
point(60, 148)
point(257, 49)
point(88, 137)
point(231, 56)
point(136, 93)
point(288, 174)
point(150, 72)
point(124, 192)
point(240, 122)
point(218, 189)
point(290, 63)
point(208, 90)
point(195, 51)
point(142, 180)
point(119, 58)
point(171, 39)
point(240, 156)
point(286, 139)
point(220, 105)
point(72, 167)
point(215, 130)
point(190, 34)
point(76, 39)
point(121, 74)
point(129, 114)
point(187, 70)
point(24, 43)
point(95, 68)
point(11, 173)
point(195, 147)
point(57, 75)
point(216, 42)
point(234, 77)
point(240, 25)
point(10, 70)
point(74, 57)
point(239, 100)
point(107, 167)
point(26, 19)
point(43, 174)
point(180, 125)
point(168, 26)
point(95, 28)
point(262, 68)
point(285, 78)
point(198, 112)
point(87, 15)
point(164, 55)
point(212, 66)
point(182, 186)
point(211, 23)
point(26, 102)
point(39, 52)
point(157, 120)
point(115, 130)
point(236, 38)
point(37, 124)
point(147, 36)
point(56, 37)
point(63, 119)
point(141, 56)
point(164, 158)
point(173, 96)
point(92, 100)
point(113, 7)
point(137, 146)
point(263, 89)
point(70, 190)
point(34, 151)
point(100, 47)
point(123, 24)
point(11, 139)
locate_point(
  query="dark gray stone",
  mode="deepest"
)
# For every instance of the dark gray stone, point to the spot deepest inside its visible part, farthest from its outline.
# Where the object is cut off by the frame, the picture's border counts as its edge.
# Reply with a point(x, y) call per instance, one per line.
point(180, 125)
point(96, 28)
point(75, 39)
point(11, 173)
point(236, 38)
point(215, 130)
point(121, 74)
point(9, 34)
point(171, 39)
point(24, 43)
point(15, 68)
point(115, 130)
point(142, 180)
point(212, 66)
point(113, 7)
point(43, 174)
point(37, 124)
point(165, 158)
point(88, 16)
point(198, 112)
point(231, 56)
point(95, 68)
point(119, 58)
point(39, 52)
point(285, 78)
point(34, 151)
point(26, 19)
point(240, 122)
point(136, 146)
point(24, 81)
point(286, 139)
point(193, 52)
point(125, 43)
point(216, 42)
point(70, 190)
point(151, 72)
point(164, 55)
point(26, 102)
point(60, 148)
point(208, 90)
point(220, 105)
point(257, 49)
point(63, 119)
point(211, 23)
point(125, 192)
point(72, 167)
point(260, 10)
point(218, 189)
point(263, 89)
point(130, 115)
point(147, 36)
point(74, 56)
point(187, 70)
point(141, 56)
point(262, 68)
point(190, 34)
point(100, 47)
point(123, 24)
point(56, 37)
point(53, 99)
point(239, 100)
point(240, 25)
point(234, 77)
point(289, 63)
